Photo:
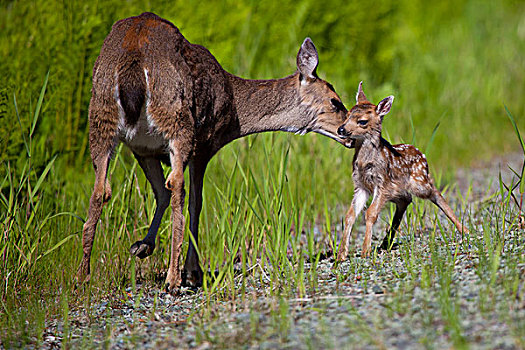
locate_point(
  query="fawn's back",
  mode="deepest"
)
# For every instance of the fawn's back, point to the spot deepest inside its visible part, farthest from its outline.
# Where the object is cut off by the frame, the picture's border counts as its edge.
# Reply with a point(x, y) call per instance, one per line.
point(408, 167)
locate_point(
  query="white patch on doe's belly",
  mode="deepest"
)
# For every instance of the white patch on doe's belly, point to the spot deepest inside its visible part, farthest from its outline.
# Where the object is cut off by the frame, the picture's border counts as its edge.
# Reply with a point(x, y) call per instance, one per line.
point(143, 137)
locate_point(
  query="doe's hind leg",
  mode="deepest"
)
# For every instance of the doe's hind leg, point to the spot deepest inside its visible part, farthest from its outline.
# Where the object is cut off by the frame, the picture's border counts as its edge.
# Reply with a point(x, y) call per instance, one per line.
point(101, 195)
point(175, 183)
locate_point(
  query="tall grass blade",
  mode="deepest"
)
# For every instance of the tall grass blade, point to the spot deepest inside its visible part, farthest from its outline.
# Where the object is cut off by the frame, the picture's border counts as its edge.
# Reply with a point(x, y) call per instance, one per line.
point(21, 127)
point(516, 129)
point(42, 176)
point(521, 176)
point(431, 140)
point(39, 106)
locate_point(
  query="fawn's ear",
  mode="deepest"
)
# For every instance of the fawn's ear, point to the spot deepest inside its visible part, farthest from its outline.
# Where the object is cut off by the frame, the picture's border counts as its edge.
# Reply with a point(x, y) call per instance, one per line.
point(360, 96)
point(307, 60)
point(384, 106)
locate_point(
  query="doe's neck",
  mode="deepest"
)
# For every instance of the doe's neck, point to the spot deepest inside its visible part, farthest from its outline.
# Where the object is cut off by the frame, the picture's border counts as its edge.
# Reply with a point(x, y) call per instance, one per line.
point(269, 105)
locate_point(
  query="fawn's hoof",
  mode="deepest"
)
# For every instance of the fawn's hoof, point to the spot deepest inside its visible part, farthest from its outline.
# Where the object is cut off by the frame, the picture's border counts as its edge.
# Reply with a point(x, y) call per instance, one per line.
point(341, 257)
point(142, 249)
point(388, 246)
point(193, 278)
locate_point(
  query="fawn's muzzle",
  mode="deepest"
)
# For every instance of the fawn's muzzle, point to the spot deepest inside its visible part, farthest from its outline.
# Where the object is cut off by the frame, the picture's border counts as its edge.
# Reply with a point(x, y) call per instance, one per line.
point(341, 131)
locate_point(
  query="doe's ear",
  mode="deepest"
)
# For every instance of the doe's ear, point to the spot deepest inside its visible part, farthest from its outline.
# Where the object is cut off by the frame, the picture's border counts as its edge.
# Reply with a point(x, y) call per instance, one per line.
point(384, 106)
point(307, 59)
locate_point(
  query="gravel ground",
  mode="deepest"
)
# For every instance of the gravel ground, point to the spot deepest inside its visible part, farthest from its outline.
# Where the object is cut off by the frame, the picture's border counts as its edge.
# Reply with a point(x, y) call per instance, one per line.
point(383, 302)
point(373, 308)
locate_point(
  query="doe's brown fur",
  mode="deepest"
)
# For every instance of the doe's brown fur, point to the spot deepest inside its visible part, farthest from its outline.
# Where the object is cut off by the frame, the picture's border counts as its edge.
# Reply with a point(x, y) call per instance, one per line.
point(387, 172)
point(170, 101)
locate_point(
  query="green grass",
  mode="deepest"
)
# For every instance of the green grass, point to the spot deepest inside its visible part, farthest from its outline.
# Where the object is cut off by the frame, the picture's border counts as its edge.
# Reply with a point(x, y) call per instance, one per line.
point(272, 201)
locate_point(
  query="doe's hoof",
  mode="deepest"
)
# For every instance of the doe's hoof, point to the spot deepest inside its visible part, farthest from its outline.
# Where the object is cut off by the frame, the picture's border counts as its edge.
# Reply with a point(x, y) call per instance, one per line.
point(192, 279)
point(142, 249)
point(172, 284)
point(171, 289)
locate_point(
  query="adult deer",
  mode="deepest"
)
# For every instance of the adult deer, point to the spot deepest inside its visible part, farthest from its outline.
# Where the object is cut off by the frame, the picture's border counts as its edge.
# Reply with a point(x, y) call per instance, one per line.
point(170, 101)
point(388, 172)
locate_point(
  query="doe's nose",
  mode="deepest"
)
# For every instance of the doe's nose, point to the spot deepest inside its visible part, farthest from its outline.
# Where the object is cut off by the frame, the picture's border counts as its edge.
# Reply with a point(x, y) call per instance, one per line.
point(342, 131)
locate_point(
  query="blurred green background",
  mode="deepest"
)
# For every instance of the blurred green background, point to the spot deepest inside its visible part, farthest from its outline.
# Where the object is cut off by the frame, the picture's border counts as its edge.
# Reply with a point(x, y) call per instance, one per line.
point(452, 62)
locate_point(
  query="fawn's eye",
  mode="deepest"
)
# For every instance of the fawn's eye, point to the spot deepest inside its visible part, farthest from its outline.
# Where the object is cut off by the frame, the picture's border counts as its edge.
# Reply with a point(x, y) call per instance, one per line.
point(338, 105)
point(362, 122)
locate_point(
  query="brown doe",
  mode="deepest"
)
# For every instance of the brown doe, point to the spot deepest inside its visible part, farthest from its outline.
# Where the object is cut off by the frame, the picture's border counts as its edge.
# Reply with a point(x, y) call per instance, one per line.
point(170, 101)
point(387, 172)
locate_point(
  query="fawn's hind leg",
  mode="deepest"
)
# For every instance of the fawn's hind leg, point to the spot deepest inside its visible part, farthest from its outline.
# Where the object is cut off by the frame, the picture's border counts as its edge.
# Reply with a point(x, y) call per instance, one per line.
point(438, 200)
point(401, 207)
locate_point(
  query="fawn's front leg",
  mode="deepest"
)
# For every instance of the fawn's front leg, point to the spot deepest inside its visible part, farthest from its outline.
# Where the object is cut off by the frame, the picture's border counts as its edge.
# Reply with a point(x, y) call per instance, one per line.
point(371, 217)
point(358, 203)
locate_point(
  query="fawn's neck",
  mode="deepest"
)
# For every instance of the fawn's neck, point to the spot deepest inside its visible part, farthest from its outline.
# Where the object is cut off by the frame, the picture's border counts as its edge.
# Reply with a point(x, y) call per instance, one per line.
point(369, 149)
point(269, 105)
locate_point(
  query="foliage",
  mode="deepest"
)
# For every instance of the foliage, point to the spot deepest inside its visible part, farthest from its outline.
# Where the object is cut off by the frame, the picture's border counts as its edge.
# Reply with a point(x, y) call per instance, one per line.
point(438, 59)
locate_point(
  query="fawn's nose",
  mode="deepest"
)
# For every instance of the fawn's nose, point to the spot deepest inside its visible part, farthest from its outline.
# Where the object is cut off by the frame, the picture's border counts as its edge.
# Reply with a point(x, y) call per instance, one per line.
point(342, 131)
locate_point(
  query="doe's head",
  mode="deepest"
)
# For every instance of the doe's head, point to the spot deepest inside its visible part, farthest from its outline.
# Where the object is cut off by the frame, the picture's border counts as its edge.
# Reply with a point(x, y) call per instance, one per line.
point(325, 109)
point(364, 120)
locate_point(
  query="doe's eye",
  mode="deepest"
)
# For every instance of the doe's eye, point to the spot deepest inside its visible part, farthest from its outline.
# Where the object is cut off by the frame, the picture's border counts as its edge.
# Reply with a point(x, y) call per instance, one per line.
point(362, 122)
point(338, 105)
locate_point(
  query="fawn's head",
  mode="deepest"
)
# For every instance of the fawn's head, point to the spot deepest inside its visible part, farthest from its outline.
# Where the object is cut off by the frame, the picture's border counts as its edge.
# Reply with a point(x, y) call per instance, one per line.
point(364, 119)
point(317, 95)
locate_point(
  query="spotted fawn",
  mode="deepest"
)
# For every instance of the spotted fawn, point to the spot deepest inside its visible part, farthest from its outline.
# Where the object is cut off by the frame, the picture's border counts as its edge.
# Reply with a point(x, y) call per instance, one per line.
point(386, 172)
